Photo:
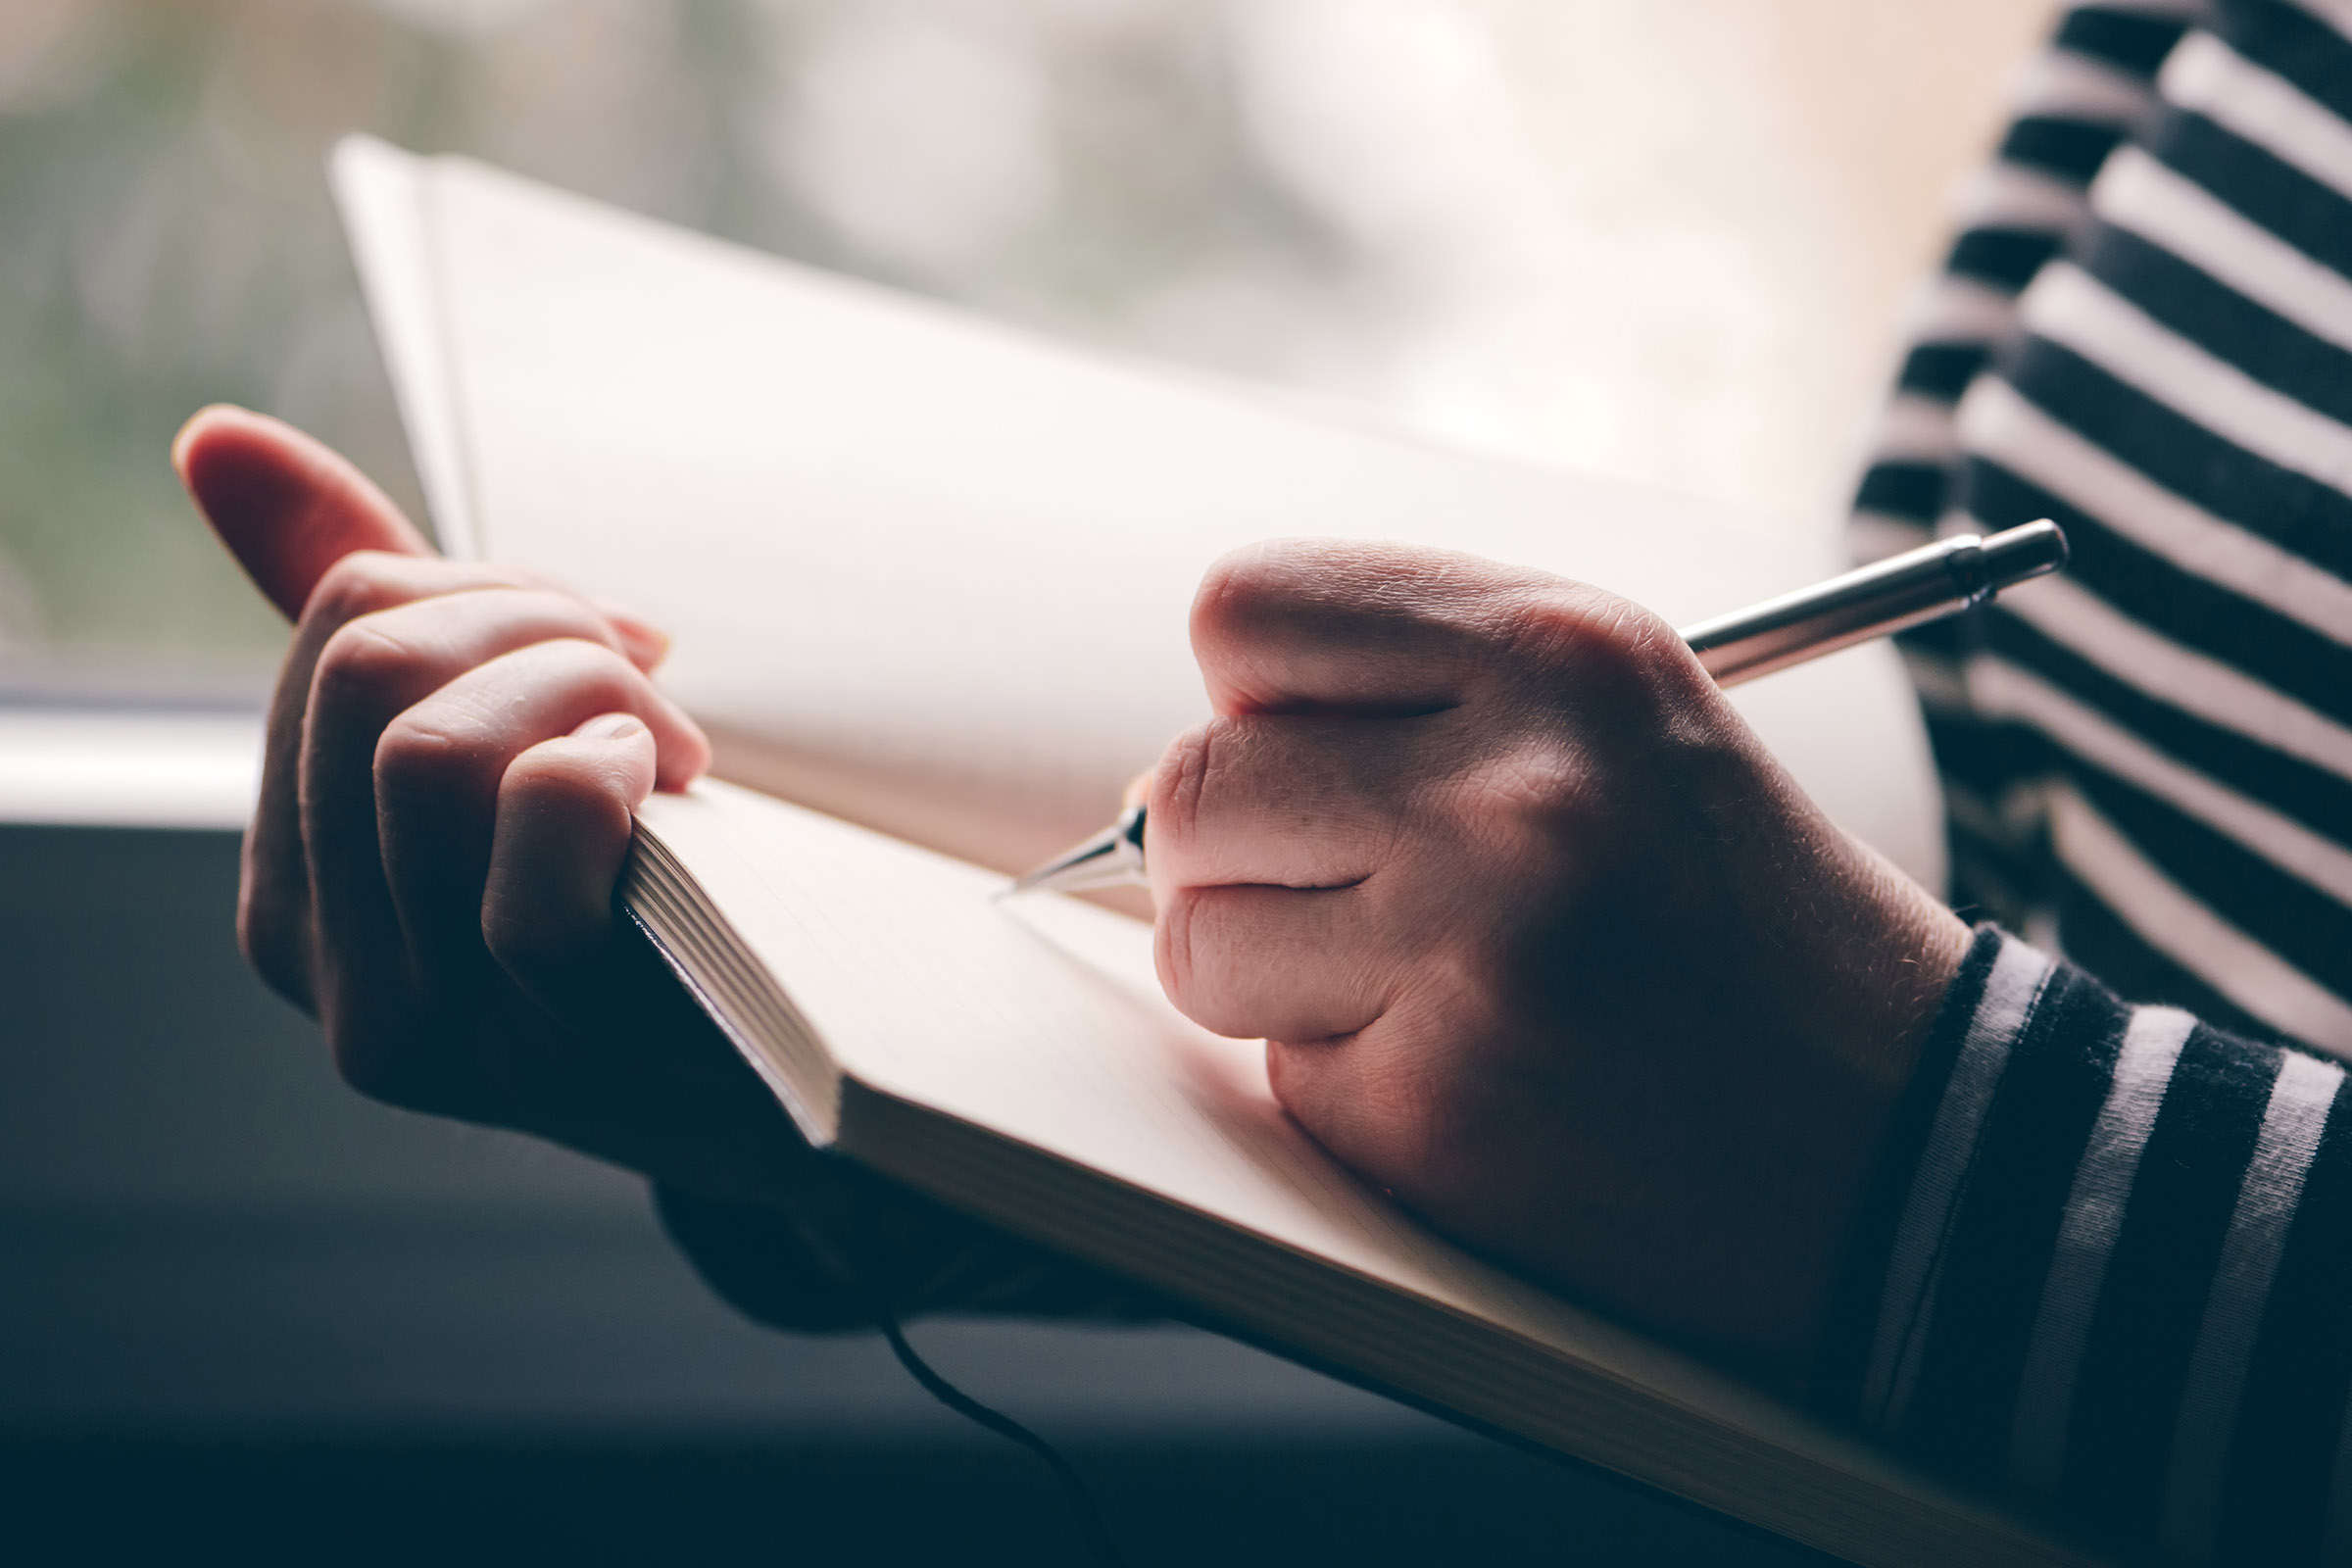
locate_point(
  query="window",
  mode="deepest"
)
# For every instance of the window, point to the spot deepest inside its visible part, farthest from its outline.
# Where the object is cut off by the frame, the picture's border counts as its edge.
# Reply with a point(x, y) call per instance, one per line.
point(1671, 241)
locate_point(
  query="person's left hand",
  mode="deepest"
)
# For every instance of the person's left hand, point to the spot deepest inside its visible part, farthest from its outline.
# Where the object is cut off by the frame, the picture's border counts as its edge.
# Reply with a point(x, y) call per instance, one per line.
point(454, 753)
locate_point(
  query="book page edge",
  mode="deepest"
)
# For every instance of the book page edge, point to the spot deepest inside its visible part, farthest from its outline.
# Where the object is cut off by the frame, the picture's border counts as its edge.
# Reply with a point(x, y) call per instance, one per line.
point(1287, 1302)
point(706, 954)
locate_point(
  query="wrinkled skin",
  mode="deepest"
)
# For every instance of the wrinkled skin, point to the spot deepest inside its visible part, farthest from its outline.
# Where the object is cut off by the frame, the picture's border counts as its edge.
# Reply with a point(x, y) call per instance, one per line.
point(1545, 943)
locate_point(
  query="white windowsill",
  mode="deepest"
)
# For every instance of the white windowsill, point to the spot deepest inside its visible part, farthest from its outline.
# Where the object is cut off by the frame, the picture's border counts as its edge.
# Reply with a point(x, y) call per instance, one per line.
point(118, 768)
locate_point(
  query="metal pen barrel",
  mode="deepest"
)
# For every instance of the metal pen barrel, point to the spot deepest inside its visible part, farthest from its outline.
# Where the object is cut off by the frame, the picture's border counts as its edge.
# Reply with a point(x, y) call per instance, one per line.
point(1878, 600)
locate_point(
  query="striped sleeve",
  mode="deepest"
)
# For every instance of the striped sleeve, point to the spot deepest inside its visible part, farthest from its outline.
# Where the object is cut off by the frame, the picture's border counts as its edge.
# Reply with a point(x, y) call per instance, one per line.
point(2149, 761)
point(2179, 395)
point(2090, 89)
point(2074, 103)
point(2105, 1266)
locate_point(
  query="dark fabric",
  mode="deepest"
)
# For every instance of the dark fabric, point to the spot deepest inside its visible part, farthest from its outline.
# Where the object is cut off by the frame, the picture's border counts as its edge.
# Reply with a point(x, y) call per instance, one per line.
point(2319, 798)
point(2159, 593)
point(882, 1247)
point(2284, 1448)
point(756, 1261)
point(2288, 509)
point(1941, 369)
point(1999, 1249)
point(2274, 193)
point(1836, 1385)
point(2132, 41)
point(2005, 258)
point(2291, 43)
point(2136, 1362)
point(2098, 939)
point(2238, 331)
point(1913, 490)
point(2071, 149)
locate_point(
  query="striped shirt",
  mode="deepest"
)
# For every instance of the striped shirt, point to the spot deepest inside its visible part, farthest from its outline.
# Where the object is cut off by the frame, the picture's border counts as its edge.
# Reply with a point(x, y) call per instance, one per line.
point(2108, 1261)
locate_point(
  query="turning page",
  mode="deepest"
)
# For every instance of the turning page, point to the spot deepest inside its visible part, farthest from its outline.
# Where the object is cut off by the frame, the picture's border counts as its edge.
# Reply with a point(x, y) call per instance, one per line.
point(932, 574)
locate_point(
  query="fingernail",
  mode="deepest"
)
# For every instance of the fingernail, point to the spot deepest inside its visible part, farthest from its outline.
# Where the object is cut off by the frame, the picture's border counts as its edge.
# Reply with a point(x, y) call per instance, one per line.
point(610, 727)
point(187, 434)
point(646, 644)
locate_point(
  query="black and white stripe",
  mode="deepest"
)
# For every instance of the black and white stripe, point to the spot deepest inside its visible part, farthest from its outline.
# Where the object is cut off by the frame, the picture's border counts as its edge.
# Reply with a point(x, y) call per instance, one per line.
point(2074, 103)
point(2078, 101)
point(2109, 1260)
point(2152, 757)
point(2098, 1286)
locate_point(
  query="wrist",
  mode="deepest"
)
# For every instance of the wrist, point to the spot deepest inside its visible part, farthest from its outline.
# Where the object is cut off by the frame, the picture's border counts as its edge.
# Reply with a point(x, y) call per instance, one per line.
point(1880, 1041)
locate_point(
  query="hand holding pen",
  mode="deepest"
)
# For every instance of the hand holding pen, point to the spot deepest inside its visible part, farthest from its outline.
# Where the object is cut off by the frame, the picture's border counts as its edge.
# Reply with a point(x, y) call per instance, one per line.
point(1876, 600)
point(1544, 942)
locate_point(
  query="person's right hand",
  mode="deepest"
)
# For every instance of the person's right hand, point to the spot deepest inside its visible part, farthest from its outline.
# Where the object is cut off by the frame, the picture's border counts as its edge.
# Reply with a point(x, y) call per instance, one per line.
point(1543, 941)
point(455, 752)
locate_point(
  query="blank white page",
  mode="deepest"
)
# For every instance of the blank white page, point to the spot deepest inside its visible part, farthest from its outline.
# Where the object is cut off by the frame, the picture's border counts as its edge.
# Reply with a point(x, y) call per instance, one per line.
point(960, 558)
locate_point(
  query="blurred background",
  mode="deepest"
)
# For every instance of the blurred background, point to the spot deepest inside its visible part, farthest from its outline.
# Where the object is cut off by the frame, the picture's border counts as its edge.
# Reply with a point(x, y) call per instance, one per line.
point(1670, 239)
point(245, 1313)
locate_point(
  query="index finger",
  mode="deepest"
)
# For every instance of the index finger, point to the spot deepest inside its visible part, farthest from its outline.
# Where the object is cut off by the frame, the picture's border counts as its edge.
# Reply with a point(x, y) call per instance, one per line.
point(1319, 626)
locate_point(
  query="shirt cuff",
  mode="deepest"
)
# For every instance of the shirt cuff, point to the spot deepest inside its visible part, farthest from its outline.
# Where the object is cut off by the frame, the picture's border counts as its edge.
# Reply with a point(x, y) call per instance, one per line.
point(2087, 1268)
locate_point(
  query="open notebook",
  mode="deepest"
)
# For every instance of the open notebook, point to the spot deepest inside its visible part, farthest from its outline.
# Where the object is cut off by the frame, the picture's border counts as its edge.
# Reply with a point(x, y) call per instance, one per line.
point(931, 575)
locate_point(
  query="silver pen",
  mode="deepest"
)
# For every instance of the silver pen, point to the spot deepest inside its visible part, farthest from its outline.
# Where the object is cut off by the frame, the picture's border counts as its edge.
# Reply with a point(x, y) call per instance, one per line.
point(1876, 601)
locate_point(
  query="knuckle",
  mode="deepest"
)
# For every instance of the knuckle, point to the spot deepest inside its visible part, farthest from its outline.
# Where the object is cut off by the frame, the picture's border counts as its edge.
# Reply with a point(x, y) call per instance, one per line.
point(536, 613)
point(420, 759)
point(590, 669)
point(364, 668)
point(558, 783)
point(1174, 951)
point(1278, 579)
point(1177, 788)
point(1591, 635)
point(1234, 588)
point(521, 574)
point(1172, 945)
point(592, 657)
point(359, 584)
point(1203, 965)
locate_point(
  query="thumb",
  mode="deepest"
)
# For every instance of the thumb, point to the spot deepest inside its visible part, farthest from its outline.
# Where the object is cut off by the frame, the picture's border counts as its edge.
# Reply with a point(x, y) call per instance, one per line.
point(286, 506)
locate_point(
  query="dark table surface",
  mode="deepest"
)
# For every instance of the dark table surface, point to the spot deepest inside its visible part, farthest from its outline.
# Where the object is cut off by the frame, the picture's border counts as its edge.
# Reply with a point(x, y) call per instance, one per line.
point(246, 1314)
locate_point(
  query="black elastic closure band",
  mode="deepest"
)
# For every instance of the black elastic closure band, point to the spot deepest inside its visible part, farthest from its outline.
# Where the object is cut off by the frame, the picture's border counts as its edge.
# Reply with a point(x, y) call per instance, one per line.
point(1084, 1511)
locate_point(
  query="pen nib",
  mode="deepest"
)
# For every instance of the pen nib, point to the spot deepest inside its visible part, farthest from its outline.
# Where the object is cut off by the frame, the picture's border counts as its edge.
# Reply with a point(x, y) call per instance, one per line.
point(1112, 858)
